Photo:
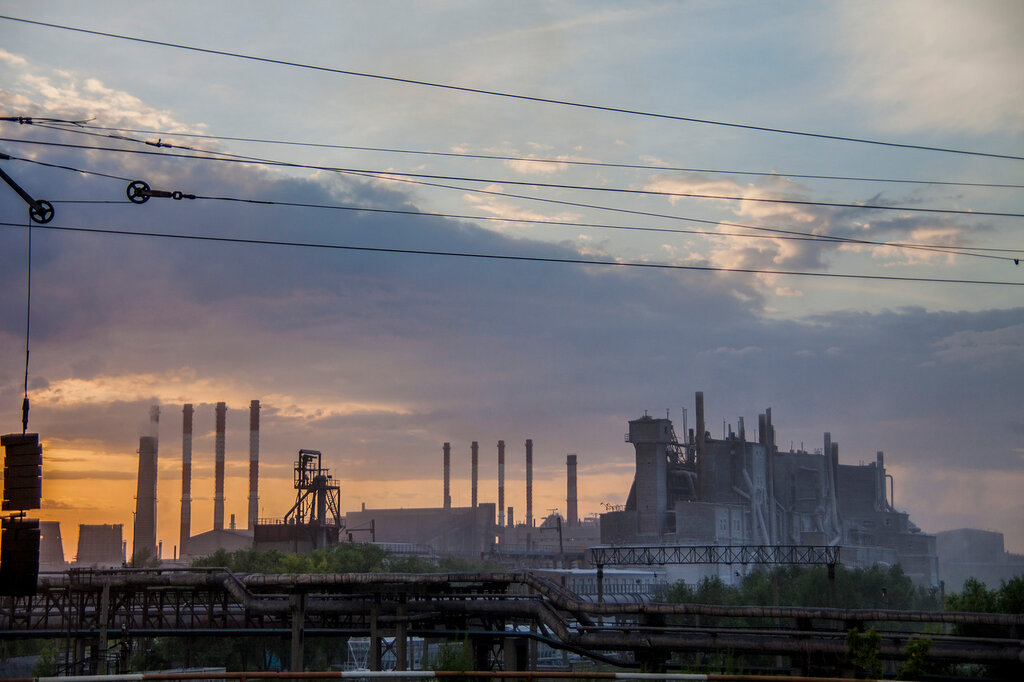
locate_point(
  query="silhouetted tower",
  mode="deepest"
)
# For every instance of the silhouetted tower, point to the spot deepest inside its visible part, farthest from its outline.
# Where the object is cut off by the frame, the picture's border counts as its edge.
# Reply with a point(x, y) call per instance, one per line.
point(529, 482)
point(317, 501)
point(186, 479)
point(501, 484)
point(447, 475)
point(218, 471)
point(144, 537)
point(571, 513)
point(254, 463)
point(475, 465)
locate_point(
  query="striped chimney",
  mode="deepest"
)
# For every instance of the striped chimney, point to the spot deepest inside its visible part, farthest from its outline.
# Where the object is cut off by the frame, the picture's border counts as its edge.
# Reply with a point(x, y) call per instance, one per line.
point(254, 463)
point(218, 487)
point(186, 479)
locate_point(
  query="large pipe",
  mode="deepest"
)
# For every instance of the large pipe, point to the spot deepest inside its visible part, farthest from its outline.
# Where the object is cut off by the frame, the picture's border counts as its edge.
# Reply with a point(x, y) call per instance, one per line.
point(254, 463)
point(447, 475)
point(501, 484)
point(218, 472)
point(529, 482)
point(571, 513)
point(475, 465)
point(186, 479)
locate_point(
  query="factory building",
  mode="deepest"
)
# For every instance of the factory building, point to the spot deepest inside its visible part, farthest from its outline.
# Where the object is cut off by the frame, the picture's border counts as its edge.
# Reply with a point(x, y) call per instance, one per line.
point(971, 553)
point(741, 491)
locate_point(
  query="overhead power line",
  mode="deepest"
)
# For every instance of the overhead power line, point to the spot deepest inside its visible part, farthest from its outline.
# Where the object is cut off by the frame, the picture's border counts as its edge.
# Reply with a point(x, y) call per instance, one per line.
point(509, 95)
point(515, 258)
point(226, 157)
point(84, 128)
point(773, 233)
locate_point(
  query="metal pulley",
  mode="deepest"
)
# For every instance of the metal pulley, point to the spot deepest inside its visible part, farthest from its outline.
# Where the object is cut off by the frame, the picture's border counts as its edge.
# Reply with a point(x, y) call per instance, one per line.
point(139, 192)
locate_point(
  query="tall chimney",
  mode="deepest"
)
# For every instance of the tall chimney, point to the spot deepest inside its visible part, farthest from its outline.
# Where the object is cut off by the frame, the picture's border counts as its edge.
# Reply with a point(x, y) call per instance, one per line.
point(186, 478)
point(529, 482)
point(571, 513)
point(447, 475)
point(218, 472)
point(144, 535)
point(501, 484)
point(703, 466)
point(254, 463)
point(475, 459)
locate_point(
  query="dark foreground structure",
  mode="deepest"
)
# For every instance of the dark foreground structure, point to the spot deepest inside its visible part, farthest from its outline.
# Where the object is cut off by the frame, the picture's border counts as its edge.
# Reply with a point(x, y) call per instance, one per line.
point(96, 614)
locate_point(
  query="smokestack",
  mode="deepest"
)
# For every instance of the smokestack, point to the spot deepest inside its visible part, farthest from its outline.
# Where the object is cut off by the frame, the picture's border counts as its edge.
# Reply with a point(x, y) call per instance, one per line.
point(571, 514)
point(501, 484)
point(186, 478)
point(218, 487)
point(144, 536)
point(529, 482)
point(254, 463)
point(475, 459)
point(447, 475)
point(703, 470)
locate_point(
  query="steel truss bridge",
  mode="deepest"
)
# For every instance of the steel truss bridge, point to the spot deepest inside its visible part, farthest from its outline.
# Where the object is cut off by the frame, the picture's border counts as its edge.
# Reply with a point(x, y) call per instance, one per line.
point(98, 612)
point(641, 555)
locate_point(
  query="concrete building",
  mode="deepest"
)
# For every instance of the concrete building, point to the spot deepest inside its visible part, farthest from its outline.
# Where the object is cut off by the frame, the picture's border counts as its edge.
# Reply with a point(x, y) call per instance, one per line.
point(739, 491)
point(970, 553)
point(465, 531)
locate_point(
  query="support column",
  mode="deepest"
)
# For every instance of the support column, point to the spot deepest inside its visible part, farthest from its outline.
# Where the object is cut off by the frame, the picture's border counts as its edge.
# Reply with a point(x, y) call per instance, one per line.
point(297, 603)
point(104, 617)
point(401, 636)
point(375, 634)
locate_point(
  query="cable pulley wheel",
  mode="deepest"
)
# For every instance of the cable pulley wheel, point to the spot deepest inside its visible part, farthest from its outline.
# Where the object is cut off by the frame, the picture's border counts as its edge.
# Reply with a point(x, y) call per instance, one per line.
point(138, 192)
point(41, 212)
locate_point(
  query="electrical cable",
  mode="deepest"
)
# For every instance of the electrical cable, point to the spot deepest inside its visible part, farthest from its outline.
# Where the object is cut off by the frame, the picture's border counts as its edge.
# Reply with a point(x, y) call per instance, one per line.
point(28, 326)
point(514, 258)
point(77, 128)
point(224, 156)
point(509, 95)
point(777, 234)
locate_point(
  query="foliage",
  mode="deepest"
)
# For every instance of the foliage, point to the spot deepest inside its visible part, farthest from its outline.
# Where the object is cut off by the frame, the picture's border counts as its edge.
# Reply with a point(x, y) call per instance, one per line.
point(452, 656)
point(975, 597)
point(857, 588)
point(46, 665)
point(863, 649)
point(916, 666)
point(346, 557)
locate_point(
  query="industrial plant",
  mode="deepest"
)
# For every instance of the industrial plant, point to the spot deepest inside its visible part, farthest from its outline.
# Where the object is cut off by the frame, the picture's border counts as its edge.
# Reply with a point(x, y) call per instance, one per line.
point(737, 490)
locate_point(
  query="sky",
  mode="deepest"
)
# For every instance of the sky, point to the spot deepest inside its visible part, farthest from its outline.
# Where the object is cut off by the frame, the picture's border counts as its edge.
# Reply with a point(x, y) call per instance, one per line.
point(377, 353)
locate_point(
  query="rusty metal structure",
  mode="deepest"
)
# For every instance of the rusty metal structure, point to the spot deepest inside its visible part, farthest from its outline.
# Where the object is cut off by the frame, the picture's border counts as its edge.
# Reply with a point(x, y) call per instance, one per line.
point(96, 612)
point(314, 521)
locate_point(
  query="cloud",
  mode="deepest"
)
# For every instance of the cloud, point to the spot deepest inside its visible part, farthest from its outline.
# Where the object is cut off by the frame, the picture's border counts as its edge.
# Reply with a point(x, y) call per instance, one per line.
point(376, 359)
point(934, 66)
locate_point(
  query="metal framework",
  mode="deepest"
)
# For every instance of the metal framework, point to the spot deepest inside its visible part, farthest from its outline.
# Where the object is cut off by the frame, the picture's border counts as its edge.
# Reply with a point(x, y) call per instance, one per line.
point(647, 555)
point(104, 611)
